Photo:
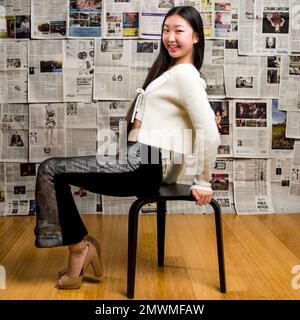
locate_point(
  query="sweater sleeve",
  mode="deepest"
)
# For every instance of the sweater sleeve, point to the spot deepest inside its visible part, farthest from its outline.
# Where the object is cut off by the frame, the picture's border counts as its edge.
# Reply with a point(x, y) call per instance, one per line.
point(192, 96)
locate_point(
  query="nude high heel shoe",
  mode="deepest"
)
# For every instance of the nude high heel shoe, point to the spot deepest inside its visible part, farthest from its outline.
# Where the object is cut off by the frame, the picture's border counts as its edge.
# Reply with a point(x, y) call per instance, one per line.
point(92, 240)
point(66, 282)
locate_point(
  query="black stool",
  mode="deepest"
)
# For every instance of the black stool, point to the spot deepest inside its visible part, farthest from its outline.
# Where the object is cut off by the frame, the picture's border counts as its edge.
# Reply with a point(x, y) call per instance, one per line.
point(166, 192)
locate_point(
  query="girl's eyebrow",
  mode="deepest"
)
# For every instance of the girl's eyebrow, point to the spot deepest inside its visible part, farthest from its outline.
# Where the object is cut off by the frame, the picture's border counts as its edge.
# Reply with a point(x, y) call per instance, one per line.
point(177, 25)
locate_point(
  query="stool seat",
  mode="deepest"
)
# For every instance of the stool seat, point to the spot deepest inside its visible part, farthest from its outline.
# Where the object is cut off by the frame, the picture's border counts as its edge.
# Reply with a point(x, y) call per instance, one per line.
point(167, 192)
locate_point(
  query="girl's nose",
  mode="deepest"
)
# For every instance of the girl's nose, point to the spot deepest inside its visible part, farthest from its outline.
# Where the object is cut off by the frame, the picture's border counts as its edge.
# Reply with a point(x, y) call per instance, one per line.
point(171, 36)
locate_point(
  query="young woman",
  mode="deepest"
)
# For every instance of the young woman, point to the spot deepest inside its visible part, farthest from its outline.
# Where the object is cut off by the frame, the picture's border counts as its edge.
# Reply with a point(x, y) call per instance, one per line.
point(170, 112)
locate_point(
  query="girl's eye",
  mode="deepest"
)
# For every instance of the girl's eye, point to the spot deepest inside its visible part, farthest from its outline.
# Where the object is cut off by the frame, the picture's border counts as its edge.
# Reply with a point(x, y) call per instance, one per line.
point(165, 30)
point(179, 31)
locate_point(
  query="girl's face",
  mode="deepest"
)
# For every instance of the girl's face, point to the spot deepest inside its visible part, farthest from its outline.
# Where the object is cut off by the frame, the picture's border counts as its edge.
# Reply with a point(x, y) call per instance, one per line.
point(179, 39)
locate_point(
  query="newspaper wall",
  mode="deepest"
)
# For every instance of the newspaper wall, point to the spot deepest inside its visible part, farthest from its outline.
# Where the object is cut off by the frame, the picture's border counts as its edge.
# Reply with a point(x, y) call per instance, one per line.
point(78, 64)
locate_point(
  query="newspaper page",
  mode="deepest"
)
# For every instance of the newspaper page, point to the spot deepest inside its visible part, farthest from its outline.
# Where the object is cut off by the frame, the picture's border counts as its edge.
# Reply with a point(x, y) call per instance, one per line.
point(13, 71)
point(45, 79)
point(112, 52)
point(251, 128)
point(121, 19)
point(2, 189)
point(225, 15)
point(252, 191)
point(85, 201)
point(213, 68)
point(223, 117)
point(289, 90)
point(295, 27)
point(84, 18)
point(222, 184)
point(143, 54)
point(116, 205)
point(271, 31)
point(243, 80)
point(81, 124)
point(46, 131)
point(20, 185)
point(112, 69)
point(48, 19)
point(111, 83)
point(293, 124)
point(270, 77)
point(111, 124)
point(15, 19)
point(280, 175)
point(152, 16)
point(206, 11)
point(281, 146)
point(81, 142)
point(81, 115)
point(246, 27)
point(295, 172)
point(14, 124)
point(78, 70)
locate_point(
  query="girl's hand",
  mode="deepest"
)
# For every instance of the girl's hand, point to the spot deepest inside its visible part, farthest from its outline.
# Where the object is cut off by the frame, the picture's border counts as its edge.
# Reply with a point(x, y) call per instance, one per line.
point(202, 197)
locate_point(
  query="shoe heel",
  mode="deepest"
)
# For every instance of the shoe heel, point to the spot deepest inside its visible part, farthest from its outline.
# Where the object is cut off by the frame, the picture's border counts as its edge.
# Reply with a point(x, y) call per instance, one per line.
point(97, 266)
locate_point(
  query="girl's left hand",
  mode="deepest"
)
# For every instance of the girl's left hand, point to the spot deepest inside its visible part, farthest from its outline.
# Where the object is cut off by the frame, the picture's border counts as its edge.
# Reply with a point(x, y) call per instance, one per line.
point(202, 197)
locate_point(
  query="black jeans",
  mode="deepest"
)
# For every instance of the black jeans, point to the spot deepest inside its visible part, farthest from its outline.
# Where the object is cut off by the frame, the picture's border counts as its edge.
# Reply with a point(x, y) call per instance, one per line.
point(58, 219)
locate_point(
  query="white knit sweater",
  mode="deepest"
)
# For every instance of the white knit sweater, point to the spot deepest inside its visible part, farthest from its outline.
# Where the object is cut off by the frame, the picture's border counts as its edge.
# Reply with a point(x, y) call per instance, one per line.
point(175, 108)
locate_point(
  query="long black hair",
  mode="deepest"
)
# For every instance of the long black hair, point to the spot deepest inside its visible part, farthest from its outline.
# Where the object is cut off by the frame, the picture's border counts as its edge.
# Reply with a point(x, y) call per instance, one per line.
point(164, 60)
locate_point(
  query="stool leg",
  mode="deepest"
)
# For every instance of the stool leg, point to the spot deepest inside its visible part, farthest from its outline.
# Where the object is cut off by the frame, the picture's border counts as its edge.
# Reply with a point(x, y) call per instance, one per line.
point(132, 245)
point(219, 235)
point(161, 226)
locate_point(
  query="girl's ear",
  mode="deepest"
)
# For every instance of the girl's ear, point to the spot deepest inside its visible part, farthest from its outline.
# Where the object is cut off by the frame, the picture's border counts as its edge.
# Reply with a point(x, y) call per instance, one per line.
point(195, 38)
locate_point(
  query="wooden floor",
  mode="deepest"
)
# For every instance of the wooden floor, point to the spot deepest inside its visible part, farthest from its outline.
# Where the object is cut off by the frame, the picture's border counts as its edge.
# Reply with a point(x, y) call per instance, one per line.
point(260, 252)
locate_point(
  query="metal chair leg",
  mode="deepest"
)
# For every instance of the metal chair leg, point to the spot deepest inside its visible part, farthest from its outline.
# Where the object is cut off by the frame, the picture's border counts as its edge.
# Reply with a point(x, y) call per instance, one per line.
point(219, 235)
point(161, 226)
point(132, 245)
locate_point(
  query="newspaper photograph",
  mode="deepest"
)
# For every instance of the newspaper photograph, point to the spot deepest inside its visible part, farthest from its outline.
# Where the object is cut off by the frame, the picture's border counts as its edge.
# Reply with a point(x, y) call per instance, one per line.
point(121, 19)
point(289, 90)
point(49, 19)
point(45, 79)
point(223, 117)
point(251, 128)
point(15, 19)
point(84, 19)
point(271, 31)
point(252, 191)
point(281, 146)
point(78, 71)
point(206, 11)
point(46, 131)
